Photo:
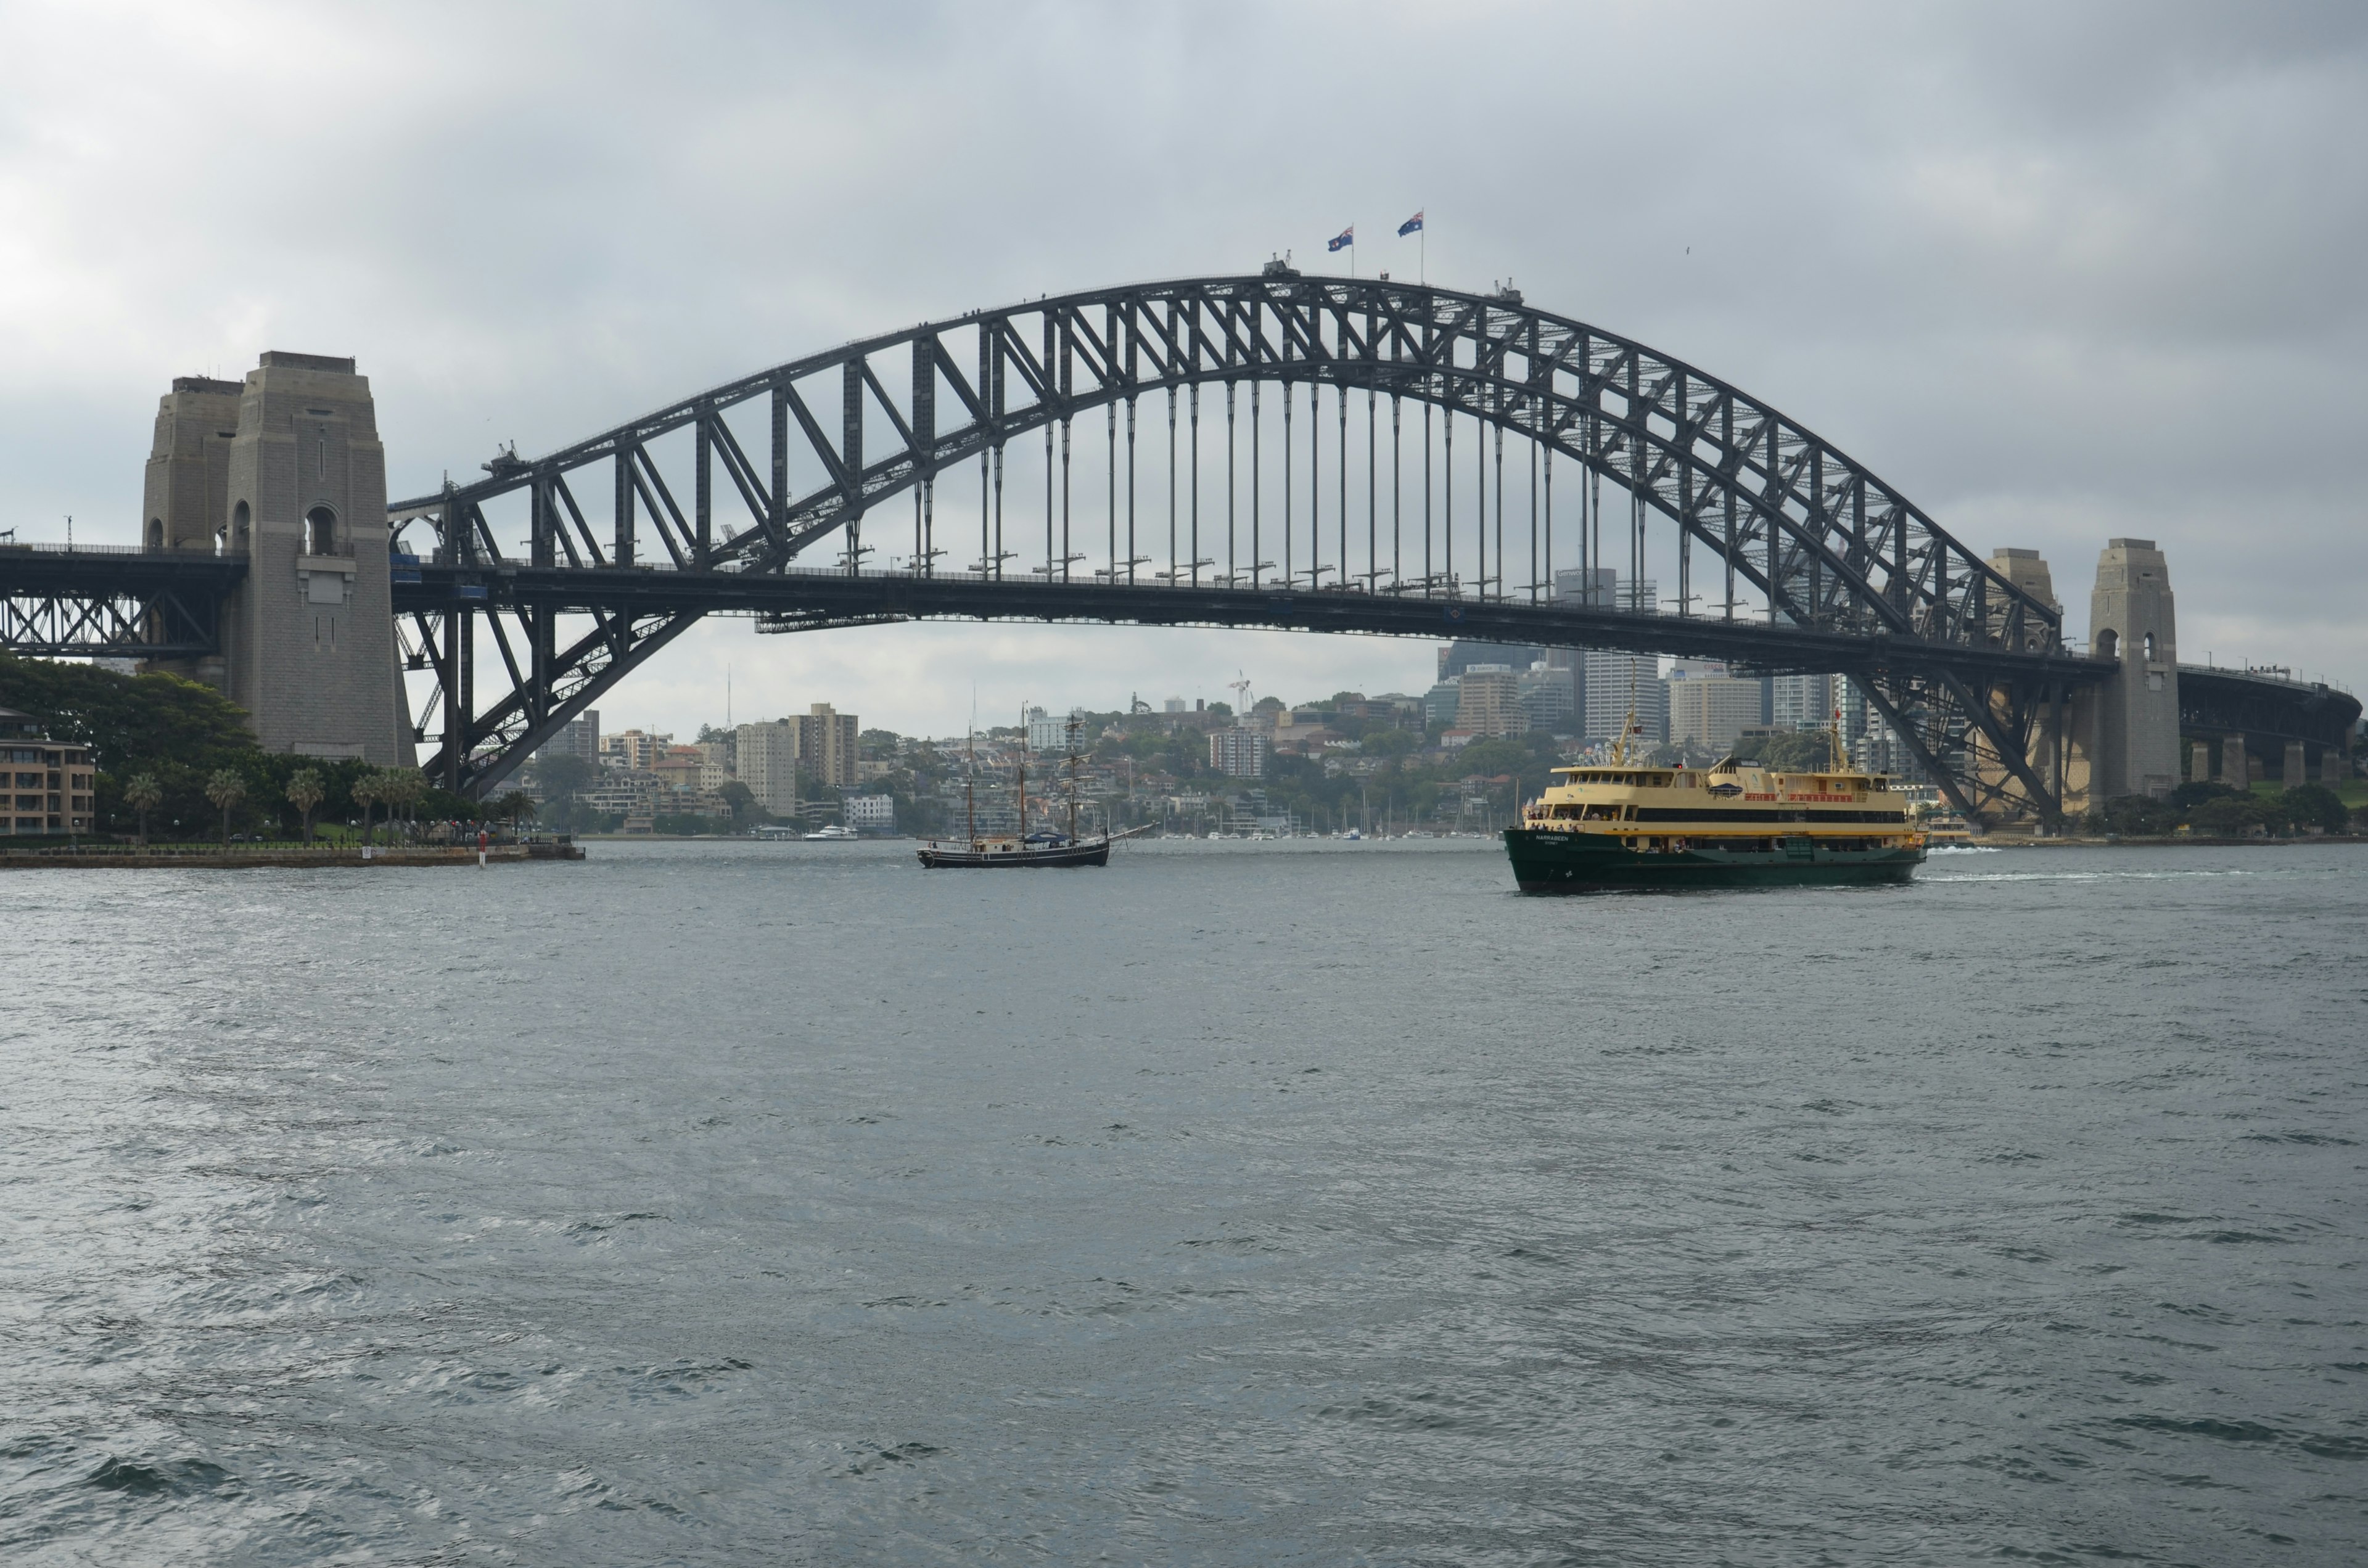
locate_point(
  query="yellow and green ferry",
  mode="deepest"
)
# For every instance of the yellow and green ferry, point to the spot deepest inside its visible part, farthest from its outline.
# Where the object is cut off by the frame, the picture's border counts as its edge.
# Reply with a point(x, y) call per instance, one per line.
point(1734, 824)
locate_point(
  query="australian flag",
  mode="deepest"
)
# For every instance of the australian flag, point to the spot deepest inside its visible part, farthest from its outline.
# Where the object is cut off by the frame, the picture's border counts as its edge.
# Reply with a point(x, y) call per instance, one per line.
point(1346, 237)
point(1411, 225)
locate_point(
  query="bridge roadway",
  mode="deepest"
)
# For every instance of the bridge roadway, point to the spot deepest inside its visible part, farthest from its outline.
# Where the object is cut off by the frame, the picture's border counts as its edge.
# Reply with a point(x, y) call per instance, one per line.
point(794, 599)
point(113, 601)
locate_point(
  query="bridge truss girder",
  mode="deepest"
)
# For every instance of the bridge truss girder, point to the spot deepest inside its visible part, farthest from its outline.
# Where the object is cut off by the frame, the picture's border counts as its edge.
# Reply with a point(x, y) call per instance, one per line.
point(113, 603)
point(1825, 544)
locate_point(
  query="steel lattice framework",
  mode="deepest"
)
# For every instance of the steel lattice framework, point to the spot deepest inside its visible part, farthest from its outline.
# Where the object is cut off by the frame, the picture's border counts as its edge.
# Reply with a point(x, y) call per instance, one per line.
point(113, 603)
point(1961, 661)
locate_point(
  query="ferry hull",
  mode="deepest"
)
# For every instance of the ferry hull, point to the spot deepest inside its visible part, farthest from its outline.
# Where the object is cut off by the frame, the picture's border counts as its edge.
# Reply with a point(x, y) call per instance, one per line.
point(1580, 862)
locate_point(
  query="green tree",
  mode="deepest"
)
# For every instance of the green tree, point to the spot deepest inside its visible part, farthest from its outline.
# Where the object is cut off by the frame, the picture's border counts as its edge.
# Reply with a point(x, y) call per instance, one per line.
point(143, 795)
point(513, 807)
point(403, 788)
point(304, 792)
point(2315, 805)
point(2140, 816)
point(2232, 816)
point(740, 801)
point(226, 789)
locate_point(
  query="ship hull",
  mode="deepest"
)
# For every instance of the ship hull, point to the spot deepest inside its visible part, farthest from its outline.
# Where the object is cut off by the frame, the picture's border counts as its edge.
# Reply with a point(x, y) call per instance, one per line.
point(1576, 862)
point(936, 858)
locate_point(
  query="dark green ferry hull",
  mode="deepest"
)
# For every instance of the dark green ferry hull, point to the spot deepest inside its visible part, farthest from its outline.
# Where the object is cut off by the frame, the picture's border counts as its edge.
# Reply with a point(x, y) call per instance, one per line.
point(1587, 862)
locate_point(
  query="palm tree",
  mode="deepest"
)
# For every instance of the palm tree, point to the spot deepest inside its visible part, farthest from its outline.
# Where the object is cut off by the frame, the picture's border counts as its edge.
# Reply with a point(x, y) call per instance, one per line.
point(143, 794)
point(401, 788)
point(304, 792)
point(365, 791)
point(513, 807)
point(225, 790)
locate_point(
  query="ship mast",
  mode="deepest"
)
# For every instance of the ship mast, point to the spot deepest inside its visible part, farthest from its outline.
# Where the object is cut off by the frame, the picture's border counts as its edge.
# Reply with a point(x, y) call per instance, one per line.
point(1076, 724)
point(970, 781)
point(1023, 773)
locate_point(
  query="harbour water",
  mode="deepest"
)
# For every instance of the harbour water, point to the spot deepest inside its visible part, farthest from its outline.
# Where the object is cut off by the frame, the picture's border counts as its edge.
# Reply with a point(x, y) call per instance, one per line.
point(1251, 1204)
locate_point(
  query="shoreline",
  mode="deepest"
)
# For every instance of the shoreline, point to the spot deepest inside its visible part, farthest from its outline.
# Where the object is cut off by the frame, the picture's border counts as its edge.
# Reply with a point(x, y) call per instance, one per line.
point(249, 860)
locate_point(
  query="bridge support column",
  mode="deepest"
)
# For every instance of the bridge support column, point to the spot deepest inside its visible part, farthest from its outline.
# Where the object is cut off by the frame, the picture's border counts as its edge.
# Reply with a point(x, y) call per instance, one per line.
point(2297, 770)
point(311, 632)
point(2234, 771)
point(2131, 620)
point(2199, 762)
point(2334, 768)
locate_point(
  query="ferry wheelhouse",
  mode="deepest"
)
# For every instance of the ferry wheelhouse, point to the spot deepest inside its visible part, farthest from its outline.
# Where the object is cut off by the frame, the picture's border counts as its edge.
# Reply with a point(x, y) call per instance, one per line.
point(1623, 825)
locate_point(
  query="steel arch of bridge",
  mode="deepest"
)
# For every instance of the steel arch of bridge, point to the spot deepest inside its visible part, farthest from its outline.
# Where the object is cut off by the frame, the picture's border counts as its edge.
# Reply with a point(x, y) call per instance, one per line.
point(1830, 548)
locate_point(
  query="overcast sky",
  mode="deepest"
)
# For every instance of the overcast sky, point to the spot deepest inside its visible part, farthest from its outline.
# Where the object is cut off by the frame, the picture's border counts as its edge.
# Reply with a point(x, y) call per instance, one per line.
point(2058, 272)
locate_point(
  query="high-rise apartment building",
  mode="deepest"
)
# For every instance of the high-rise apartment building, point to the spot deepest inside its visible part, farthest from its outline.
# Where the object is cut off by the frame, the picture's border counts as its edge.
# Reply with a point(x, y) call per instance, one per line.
point(1803, 702)
point(634, 750)
point(1615, 681)
point(580, 736)
point(1549, 697)
point(1708, 707)
point(1238, 754)
point(826, 744)
point(766, 756)
point(1488, 702)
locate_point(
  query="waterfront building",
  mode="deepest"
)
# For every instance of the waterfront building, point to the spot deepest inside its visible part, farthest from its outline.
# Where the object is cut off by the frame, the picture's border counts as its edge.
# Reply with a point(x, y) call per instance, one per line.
point(1549, 698)
point(1592, 585)
point(766, 758)
point(1237, 753)
point(826, 744)
point(633, 750)
point(49, 787)
point(1612, 678)
point(1489, 701)
point(1709, 708)
point(1050, 732)
point(1803, 702)
point(580, 736)
point(1438, 704)
point(869, 813)
point(1458, 656)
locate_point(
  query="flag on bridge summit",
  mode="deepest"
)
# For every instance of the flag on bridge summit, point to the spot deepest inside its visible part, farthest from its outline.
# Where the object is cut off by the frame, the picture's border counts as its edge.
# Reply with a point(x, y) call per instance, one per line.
point(1411, 226)
point(1346, 237)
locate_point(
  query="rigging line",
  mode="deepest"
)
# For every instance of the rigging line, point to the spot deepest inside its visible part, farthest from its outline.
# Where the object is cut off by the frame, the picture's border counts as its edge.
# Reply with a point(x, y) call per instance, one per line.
point(1446, 494)
point(1048, 499)
point(1130, 552)
point(1109, 464)
point(1533, 524)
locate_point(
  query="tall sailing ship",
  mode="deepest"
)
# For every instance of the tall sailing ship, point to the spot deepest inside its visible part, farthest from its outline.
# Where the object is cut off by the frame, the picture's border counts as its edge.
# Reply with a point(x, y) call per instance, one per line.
point(1626, 825)
point(1042, 848)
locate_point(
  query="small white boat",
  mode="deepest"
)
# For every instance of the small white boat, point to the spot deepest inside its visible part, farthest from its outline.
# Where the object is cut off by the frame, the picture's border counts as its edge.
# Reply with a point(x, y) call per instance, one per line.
point(836, 833)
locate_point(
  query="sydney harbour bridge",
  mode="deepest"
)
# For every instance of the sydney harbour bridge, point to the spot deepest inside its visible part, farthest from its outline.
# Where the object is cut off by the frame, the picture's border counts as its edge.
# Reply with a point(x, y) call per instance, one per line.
point(1277, 450)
